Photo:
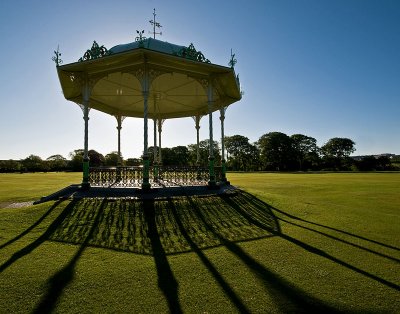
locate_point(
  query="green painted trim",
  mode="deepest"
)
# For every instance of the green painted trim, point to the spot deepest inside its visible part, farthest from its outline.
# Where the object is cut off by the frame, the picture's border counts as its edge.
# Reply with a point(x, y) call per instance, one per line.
point(211, 182)
point(85, 179)
point(146, 177)
point(224, 179)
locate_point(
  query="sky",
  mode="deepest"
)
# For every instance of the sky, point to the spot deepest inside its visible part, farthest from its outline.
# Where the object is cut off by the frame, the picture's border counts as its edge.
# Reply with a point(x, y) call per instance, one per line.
point(322, 68)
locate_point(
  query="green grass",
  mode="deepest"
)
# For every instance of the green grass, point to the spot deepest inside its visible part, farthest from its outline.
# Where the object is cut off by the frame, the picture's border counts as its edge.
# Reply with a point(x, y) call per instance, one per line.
point(287, 242)
point(21, 187)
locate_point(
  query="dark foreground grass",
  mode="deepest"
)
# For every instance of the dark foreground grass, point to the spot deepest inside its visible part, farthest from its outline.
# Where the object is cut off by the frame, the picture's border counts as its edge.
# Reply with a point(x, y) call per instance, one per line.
point(284, 243)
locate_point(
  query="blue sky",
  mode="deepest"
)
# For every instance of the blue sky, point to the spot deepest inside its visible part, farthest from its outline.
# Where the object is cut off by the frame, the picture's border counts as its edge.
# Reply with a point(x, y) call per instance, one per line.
point(323, 68)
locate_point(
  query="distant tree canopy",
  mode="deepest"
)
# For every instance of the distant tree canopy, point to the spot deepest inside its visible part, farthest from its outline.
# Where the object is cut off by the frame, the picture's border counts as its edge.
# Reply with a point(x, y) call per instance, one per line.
point(274, 151)
point(336, 153)
point(112, 159)
point(57, 163)
point(33, 163)
point(305, 150)
point(95, 159)
point(338, 147)
point(204, 150)
point(10, 166)
point(241, 155)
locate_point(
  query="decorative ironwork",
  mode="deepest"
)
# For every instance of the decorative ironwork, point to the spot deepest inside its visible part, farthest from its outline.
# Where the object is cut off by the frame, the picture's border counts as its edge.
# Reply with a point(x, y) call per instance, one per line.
point(116, 176)
point(187, 175)
point(57, 56)
point(166, 176)
point(95, 52)
point(233, 61)
point(140, 38)
point(192, 54)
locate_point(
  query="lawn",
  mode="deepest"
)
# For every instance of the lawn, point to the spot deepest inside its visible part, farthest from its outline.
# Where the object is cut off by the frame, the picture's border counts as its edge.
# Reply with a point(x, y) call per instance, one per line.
point(283, 243)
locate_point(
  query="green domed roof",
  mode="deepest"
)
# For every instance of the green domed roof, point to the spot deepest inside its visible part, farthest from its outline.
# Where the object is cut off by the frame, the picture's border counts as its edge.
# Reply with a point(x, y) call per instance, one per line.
point(148, 43)
point(163, 47)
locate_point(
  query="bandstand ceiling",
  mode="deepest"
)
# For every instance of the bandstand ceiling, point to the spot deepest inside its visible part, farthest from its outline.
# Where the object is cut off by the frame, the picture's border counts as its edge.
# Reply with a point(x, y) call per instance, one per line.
point(178, 84)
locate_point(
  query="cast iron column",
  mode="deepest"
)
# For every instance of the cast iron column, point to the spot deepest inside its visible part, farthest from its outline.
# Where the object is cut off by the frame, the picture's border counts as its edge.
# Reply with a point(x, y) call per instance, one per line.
point(160, 122)
point(146, 163)
point(119, 127)
point(197, 120)
point(155, 163)
point(211, 183)
point(223, 162)
point(86, 96)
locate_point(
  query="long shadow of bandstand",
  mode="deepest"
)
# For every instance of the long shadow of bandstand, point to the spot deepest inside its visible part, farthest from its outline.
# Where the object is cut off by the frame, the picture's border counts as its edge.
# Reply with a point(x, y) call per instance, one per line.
point(161, 226)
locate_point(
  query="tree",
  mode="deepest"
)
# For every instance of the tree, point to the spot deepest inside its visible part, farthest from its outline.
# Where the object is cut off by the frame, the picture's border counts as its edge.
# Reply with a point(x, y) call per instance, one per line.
point(76, 161)
point(57, 163)
point(33, 163)
point(133, 162)
point(112, 159)
point(10, 165)
point(241, 154)
point(204, 150)
point(337, 151)
point(383, 163)
point(276, 151)
point(338, 147)
point(95, 159)
point(306, 150)
point(180, 155)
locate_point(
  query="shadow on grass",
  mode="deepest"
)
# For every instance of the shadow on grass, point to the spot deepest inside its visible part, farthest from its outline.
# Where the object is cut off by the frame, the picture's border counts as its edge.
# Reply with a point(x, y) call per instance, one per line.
point(125, 224)
point(47, 213)
point(165, 226)
point(236, 300)
point(45, 236)
point(60, 280)
point(287, 297)
point(256, 203)
point(166, 280)
point(252, 198)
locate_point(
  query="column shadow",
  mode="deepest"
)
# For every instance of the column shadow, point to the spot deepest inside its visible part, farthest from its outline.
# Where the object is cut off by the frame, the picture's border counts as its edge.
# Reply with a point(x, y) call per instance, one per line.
point(60, 280)
point(235, 299)
point(29, 229)
point(45, 236)
point(166, 279)
point(256, 201)
point(160, 227)
point(260, 205)
point(287, 296)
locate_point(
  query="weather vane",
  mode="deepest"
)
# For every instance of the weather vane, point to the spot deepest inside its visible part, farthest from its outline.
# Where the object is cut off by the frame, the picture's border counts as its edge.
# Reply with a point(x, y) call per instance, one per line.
point(57, 56)
point(233, 61)
point(155, 24)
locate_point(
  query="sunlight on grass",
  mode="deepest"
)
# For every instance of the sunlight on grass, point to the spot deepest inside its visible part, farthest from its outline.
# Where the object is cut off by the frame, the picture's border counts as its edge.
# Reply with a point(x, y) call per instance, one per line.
point(21, 187)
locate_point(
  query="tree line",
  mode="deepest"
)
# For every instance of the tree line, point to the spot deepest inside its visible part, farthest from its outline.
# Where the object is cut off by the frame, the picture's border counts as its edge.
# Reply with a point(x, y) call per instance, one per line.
point(274, 151)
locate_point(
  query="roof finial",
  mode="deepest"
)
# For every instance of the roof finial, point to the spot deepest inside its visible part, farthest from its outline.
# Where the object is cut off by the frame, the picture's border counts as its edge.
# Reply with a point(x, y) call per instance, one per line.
point(140, 38)
point(155, 24)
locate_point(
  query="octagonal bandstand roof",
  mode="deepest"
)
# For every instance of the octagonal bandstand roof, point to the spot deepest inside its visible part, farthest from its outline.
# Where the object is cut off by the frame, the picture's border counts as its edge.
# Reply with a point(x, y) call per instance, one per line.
point(178, 77)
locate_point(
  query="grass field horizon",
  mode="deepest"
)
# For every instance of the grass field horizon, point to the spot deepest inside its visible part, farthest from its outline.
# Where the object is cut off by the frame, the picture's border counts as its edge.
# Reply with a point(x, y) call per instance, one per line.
point(283, 243)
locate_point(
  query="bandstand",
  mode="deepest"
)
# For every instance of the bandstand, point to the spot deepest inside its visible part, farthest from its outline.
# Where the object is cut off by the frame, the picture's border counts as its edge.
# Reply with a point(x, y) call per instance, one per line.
point(156, 80)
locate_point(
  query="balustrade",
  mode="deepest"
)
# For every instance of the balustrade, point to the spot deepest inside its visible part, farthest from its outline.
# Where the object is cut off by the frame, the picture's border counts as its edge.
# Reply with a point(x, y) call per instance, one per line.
point(165, 176)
